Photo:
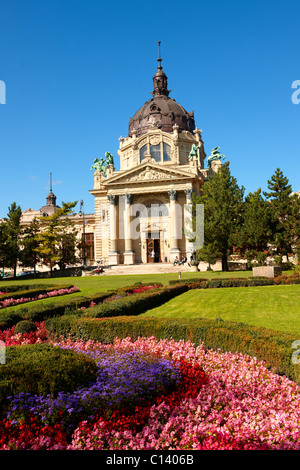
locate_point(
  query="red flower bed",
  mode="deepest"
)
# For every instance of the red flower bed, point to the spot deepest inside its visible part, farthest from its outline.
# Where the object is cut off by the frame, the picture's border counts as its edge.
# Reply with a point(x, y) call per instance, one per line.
point(31, 435)
point(193, 378)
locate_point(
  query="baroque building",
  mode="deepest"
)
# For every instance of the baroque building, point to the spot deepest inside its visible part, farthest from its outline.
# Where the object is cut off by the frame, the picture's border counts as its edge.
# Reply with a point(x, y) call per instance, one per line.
point(140, 209)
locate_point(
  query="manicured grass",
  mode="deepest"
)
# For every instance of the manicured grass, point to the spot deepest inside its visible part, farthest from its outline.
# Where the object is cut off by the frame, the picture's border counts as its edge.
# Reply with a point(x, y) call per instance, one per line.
point(275, 307)
point(92, 284)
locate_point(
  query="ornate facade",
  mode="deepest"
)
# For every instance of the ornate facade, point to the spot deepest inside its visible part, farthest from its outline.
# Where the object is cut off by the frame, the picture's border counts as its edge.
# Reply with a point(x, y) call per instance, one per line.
point(140, 210)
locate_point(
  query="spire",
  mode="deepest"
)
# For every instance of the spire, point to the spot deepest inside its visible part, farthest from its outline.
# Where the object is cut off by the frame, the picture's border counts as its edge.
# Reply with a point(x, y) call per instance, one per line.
point(51, 198)
point(160, 80)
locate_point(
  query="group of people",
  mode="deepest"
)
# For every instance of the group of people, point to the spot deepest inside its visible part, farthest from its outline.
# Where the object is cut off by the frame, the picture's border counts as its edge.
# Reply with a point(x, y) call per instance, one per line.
point(177, 262)
point(184, 259)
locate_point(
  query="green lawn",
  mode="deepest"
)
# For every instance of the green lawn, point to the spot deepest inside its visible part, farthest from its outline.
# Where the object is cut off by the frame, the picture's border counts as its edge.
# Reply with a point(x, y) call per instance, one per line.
point(275, 307)
point(92, 284)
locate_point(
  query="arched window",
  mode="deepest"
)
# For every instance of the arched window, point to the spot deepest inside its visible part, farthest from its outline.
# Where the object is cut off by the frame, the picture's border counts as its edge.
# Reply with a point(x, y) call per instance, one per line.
point(143, 152)
point(155, 152)
point(166, 152)
point(160, 152)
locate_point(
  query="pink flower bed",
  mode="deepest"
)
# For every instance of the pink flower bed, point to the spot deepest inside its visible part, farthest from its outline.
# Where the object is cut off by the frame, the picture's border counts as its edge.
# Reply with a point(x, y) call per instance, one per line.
point(54, 293)
point(243, 406)
point(239, 404)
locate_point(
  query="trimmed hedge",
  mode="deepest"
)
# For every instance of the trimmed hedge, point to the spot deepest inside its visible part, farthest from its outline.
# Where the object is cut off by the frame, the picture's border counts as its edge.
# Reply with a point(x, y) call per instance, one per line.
point(41, 311)
point(18, 287)
point(272, 347)
point(200, 283)
point(135, 304)
point(33, 292)
point(43, 369)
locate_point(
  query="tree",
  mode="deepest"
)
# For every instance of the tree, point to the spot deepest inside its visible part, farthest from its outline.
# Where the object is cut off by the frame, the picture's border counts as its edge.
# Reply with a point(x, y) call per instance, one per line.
point(57, 242)
point(285, 207)
point(10, 233)
point(253, 237)
point(29, 255)
point(222, 199)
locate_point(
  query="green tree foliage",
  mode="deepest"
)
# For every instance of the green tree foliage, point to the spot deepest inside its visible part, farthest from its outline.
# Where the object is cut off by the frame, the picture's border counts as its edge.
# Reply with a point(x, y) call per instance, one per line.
point(29, 256)
point(57, 239)
point(10, 233)
point(222, 199)
point(253, 237)
point(285, 207)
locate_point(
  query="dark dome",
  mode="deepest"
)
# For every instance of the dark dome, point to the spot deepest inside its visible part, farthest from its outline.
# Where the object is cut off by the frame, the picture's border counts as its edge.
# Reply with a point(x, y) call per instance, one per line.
point(161, 111)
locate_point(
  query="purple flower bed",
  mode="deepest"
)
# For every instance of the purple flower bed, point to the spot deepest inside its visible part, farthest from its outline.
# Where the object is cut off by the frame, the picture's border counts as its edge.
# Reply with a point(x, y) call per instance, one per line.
point(124, 379)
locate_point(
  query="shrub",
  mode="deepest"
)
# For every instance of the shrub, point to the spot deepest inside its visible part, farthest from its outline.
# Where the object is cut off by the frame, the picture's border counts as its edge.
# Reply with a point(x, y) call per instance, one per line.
point(135, 304)
point(24, 326)
point(273, 347)
point(43, 369)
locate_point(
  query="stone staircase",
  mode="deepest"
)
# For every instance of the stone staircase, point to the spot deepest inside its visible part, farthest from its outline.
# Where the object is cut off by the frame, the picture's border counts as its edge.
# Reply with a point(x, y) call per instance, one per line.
point(155, 268)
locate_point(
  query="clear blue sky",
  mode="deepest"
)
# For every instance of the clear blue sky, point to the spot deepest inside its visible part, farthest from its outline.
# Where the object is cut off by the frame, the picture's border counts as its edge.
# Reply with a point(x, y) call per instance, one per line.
point(76, 70)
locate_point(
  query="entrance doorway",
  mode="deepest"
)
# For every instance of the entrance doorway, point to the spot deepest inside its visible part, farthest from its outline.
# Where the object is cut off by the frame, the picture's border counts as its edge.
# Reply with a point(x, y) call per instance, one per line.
point(153, 250)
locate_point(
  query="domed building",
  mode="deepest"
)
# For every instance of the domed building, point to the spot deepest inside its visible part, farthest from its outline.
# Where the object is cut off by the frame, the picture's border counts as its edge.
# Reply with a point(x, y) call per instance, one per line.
point(140, 209)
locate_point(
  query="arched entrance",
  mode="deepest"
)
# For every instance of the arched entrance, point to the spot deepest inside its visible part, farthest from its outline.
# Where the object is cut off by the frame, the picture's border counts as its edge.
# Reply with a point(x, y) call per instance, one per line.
point(153, 248)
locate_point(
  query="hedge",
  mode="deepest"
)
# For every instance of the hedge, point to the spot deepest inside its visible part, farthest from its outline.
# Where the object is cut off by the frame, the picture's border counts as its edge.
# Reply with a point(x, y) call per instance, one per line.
point(200, 283)
point(41, 311)
point(135, 304)
point(32, 292)
point(272, 347)
point(43, 369)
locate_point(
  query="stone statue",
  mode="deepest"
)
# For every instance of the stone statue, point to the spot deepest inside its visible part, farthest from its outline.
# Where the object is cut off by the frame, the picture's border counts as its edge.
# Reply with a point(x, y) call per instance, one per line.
point(215, 155)
point(99, 166)
point(109, 158)
point(193, 152)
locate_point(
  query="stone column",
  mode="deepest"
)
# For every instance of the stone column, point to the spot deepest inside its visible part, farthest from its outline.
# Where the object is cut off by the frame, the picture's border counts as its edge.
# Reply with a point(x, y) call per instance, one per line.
point(188, 222)
point(174, 226)
point(114, 255)
point(129, 254)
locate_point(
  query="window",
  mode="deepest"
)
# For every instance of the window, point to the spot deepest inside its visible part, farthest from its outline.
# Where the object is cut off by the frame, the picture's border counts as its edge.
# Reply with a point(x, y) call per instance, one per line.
point(89, 246)
point(143, 152)
point(166, 152)
point(160, 152)
point(155, 152)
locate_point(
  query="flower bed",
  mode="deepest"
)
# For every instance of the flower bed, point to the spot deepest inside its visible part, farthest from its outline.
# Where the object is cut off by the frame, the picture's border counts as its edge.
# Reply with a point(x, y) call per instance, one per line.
point(164, 395)
point(54, 293)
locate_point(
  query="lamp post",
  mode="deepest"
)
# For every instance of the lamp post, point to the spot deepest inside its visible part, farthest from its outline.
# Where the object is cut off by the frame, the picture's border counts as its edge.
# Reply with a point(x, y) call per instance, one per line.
point(81, 212)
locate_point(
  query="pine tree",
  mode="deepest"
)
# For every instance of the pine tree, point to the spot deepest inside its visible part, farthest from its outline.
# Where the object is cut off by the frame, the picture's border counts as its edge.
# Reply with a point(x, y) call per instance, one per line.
point(286, 210)
point(10, 233)
point(222, 199)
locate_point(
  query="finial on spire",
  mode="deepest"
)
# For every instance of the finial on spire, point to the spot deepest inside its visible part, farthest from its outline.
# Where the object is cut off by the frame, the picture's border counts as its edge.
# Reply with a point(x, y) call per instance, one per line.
point(50, 182)
point(159, 59)
point(160, 80)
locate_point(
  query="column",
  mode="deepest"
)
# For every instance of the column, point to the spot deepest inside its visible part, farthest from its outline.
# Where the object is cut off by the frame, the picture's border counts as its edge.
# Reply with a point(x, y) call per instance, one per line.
point(129, 254)
point(188, 223)
point(113, 255)
point(175, 223)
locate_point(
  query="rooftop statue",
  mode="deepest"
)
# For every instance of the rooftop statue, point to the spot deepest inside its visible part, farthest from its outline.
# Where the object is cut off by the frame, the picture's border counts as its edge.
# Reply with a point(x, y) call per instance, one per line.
point(193, 152)
point(109, 158)
point(99, 166)
point(215, 155)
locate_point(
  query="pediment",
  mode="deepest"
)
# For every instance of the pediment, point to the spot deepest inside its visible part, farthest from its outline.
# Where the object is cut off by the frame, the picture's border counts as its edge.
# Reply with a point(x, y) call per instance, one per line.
point(148, 172)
